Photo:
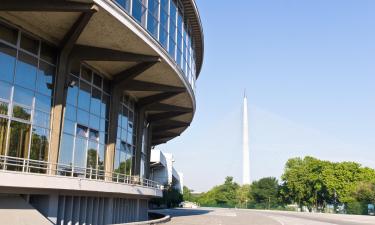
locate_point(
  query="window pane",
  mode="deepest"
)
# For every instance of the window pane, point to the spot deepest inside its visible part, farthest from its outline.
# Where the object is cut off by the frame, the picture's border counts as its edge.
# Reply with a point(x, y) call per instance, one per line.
point(29, 44)
point(152, 21)
point(70, 112)
point(86, 74)
point(48, 53)
point(26, 70)
point(45, 78)
point(101, 157)
point(83, 117)
point(152, 25)
point(80, 153)
point(69, 127)
point(92, 155)
point(125, 4)
point(84, 96)
point(116, 162)
point(105, 106)
point(41, 119)
point(3, 108)
point(3, 135)
point(43, 102)
point(94, 122)
point(66, 149)
point(97, 80)
point(103, 125)
point(95, 101)
point(5, 89)
point(21, 113)
point(23, 96)
point(7, 62)
point(8, 34)
point(19, 139)
point(94, 135)
point(39, 144)
point(82, 131)
point(139, 11)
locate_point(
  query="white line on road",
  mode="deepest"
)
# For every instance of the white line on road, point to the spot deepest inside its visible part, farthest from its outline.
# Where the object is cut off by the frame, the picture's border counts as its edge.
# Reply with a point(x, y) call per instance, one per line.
point(283, 220)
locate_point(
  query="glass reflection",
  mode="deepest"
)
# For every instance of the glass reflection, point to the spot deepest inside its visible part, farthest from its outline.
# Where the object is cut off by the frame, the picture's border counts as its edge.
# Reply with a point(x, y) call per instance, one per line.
point(7, 62)
point(139, 11)
point(39, 144)
point(26, 88)
point(44, 83)
point(5, 90)
point(80, 153)
point(67, 145)
point(3, 135)
point(26, 70)
point(21, 113)
point(86, 118)
point(19, 139)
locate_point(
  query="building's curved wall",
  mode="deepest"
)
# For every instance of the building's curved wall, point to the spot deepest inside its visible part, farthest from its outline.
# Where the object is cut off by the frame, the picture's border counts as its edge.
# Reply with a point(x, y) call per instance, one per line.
point(165, 21)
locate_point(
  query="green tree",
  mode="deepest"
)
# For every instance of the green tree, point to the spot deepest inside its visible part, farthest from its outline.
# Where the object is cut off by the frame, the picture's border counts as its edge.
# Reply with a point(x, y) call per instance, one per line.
point(187, 196)
point(243, 196)
point(221, 196)
point(314, 183)
point(264, 193)
point(171, 198)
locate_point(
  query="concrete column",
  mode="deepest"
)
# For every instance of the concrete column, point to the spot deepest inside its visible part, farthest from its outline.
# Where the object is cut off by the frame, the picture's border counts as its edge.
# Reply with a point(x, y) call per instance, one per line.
point(58, 109)
point(108, 215)
point(139, 132)
point(116, 95)
point(149, 146)
point(137, 211)
point(53, 204)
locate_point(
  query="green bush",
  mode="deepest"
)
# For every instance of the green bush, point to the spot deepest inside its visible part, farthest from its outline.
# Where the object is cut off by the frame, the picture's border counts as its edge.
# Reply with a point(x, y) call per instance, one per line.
point(355, 207)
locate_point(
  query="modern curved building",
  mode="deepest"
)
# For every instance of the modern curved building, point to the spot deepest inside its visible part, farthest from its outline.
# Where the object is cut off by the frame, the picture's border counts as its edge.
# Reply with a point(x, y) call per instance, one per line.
point(87, 88)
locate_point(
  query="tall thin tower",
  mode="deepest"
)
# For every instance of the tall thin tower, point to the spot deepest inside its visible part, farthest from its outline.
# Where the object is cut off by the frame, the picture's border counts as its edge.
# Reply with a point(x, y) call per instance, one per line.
point(245, 144)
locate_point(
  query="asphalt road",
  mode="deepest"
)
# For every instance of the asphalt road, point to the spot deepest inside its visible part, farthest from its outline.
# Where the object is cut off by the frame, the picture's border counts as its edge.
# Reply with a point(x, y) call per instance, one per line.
point(210, 216)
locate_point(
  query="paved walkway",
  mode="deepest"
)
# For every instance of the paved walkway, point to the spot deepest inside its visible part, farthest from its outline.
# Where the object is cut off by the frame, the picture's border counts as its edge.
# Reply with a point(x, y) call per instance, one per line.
point(210, 216)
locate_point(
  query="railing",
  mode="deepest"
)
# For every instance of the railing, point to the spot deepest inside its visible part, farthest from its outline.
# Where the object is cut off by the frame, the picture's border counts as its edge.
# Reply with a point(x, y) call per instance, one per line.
point(56, 169)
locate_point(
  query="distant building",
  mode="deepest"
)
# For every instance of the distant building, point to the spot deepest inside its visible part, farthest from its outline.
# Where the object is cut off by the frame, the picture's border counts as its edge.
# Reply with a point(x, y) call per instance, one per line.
point(87, 88)
point(163, 171)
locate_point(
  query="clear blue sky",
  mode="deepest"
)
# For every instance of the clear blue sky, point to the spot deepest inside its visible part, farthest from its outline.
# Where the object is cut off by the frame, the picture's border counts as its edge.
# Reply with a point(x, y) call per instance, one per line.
point(309, 71)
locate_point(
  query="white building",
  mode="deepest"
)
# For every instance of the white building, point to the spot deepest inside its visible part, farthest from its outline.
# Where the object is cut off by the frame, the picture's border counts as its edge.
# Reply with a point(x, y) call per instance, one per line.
point(163, 171)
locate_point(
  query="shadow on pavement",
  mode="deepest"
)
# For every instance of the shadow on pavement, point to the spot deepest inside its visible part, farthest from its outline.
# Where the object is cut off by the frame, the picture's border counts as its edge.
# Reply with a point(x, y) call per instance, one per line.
point(184, 212)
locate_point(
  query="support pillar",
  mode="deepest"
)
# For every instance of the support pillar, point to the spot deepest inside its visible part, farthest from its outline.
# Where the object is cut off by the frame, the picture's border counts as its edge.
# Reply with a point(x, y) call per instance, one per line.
point(61, 83)
point(149, 146)
point(116, 95)
point(139, 133)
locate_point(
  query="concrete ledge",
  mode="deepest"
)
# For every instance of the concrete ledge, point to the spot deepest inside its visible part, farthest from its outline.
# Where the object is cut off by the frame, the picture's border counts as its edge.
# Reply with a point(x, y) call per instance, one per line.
point(165, 219)
point(11, 179)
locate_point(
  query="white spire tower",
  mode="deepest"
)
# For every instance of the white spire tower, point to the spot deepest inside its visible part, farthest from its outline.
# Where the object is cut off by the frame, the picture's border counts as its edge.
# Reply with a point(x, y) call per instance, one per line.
point(245, 144)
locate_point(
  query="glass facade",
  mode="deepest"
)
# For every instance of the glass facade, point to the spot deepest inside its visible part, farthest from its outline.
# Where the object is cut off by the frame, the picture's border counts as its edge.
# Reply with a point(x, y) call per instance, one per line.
point(164, 20)
point(126, 137)
point(27, 71)
point(85, 130)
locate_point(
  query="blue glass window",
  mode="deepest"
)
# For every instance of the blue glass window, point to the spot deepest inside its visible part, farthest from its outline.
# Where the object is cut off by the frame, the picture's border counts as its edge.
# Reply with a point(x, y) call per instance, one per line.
point(139, 11)
point(84, 96)
point(5, 90)
point(7, 62)
point(23, 96)
point(152, 18)
point(44, 83)
point(125, 4)
point(26, 70)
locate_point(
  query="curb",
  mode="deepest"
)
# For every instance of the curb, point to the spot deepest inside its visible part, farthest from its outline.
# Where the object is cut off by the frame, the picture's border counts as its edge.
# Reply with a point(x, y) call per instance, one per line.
point(165, 219)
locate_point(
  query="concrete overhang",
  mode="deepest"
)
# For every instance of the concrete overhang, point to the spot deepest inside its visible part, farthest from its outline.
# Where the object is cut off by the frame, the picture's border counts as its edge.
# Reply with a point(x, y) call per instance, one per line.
point(12, 182)
point(112, 28)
